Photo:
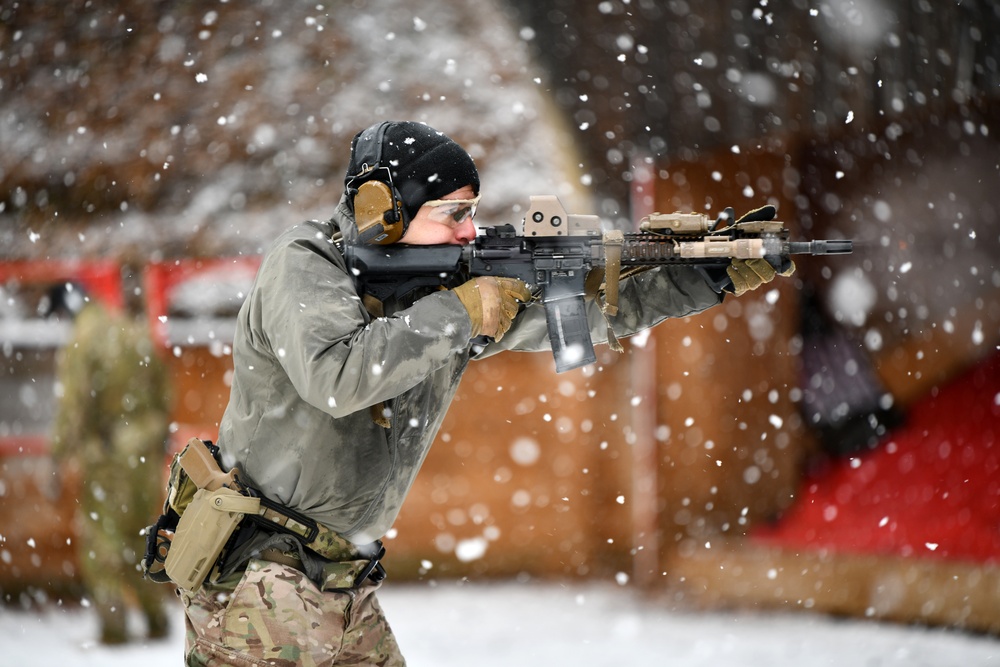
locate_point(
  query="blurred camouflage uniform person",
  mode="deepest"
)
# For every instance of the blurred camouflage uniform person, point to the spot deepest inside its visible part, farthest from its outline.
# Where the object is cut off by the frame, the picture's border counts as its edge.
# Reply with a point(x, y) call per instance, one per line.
point(335, 403)
point(112, 425)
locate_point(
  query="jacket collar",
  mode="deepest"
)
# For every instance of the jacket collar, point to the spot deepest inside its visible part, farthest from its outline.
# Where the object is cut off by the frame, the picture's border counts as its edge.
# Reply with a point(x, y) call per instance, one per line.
point(343, 220)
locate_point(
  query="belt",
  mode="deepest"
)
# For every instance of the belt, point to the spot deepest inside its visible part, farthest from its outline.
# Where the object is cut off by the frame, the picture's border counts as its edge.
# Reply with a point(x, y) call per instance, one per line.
point(337, 575)
point(349, 568)
point(314, 536)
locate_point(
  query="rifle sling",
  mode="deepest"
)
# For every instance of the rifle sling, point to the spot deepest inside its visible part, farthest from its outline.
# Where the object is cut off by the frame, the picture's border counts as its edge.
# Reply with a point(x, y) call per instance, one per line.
point(613, 242)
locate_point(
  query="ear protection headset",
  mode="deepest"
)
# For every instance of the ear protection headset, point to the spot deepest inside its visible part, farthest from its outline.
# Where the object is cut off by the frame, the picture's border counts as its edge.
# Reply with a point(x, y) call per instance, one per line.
point(378, 208)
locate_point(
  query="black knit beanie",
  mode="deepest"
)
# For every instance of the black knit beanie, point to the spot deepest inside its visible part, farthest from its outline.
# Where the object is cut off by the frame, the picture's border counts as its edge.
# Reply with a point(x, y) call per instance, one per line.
point(425, 164)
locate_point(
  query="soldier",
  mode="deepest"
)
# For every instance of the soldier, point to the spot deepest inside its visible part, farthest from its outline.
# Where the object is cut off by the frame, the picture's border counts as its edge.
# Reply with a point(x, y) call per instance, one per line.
point(336, 399)
point(111, 428)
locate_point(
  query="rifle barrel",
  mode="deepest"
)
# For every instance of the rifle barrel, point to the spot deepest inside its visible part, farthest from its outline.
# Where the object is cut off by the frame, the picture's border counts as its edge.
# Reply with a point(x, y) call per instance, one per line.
point(829, 247)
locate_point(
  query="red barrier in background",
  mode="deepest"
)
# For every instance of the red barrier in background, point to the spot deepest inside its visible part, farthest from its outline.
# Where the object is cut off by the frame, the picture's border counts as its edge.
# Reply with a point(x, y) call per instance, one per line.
point(162, 278)
point(930, 489)
point(101, 278)
point(28, 281)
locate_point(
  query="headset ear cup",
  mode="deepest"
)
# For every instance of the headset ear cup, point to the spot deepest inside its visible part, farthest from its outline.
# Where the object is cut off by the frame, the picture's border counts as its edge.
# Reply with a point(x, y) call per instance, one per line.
point(378, 214)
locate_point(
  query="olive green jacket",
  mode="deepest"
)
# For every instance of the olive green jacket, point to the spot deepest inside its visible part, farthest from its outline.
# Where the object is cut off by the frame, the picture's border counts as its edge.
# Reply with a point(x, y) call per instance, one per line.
point(309, 362)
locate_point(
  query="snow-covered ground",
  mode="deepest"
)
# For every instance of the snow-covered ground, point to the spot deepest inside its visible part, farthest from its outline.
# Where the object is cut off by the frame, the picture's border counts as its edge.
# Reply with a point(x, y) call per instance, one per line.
point(500, 624)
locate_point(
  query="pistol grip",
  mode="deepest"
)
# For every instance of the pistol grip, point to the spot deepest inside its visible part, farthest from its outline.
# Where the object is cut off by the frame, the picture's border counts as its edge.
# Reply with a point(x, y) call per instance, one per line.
point(202, 468)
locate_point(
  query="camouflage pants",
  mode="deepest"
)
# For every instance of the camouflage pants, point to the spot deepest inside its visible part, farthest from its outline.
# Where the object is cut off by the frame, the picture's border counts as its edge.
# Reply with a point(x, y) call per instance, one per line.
point(276, 616)
point(115, 501)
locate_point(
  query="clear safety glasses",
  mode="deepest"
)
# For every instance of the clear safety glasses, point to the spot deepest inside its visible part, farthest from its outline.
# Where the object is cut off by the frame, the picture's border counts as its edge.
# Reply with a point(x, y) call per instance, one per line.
point(452, 212)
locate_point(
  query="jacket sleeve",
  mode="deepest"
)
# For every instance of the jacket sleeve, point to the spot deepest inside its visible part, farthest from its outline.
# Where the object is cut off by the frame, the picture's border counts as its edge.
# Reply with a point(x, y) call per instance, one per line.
point(306, 316)
point(645, 300)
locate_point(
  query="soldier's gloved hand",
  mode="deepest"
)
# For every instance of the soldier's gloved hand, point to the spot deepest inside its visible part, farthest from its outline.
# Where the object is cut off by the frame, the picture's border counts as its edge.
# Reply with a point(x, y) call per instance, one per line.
point(749, 274)
point(492, 303)
point(762, 214)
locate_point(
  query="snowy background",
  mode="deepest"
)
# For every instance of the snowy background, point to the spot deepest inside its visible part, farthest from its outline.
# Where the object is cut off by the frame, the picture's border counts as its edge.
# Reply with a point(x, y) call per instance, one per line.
point(190, 130)
point(588, 625)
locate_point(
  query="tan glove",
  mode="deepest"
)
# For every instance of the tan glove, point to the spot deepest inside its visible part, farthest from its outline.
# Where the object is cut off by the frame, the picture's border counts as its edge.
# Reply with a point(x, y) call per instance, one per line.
point(492, 303)
point(749, 274)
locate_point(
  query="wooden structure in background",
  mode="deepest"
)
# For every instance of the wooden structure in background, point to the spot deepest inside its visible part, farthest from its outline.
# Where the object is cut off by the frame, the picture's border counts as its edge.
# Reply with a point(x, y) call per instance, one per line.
point(529, 473)
point(910, 217)
point(655, 464)
point(722, 438)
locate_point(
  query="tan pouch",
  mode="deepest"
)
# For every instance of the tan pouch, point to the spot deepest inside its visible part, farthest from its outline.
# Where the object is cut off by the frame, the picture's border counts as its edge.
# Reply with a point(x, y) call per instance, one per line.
point(194, 468)
point(203, 530)
point(180, 488)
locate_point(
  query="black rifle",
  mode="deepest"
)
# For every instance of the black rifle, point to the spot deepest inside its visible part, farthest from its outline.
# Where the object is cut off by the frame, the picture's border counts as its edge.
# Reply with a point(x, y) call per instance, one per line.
point(555, 252)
